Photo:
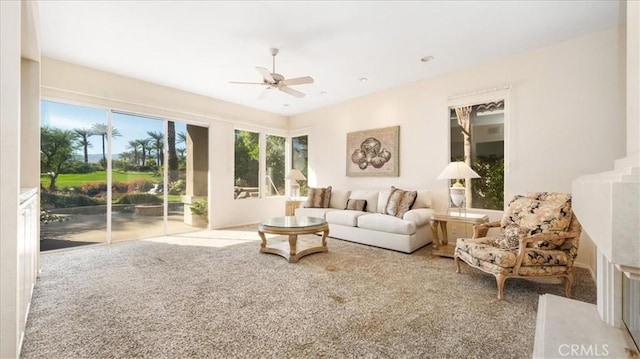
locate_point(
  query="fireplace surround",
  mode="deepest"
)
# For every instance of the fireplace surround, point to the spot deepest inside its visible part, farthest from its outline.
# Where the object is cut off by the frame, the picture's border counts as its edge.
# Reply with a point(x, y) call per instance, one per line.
point(631, 308)
point(608, 207)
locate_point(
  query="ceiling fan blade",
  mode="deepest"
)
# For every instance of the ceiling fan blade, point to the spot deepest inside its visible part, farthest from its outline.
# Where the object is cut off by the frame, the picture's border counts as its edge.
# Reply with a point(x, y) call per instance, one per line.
point(266, 74)
point(298, 81)
point(291, 91)
point(246, 83)
point(264, 93)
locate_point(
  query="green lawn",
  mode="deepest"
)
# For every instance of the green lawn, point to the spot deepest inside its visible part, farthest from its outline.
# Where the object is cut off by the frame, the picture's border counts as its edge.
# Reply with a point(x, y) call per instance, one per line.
point(78, 179)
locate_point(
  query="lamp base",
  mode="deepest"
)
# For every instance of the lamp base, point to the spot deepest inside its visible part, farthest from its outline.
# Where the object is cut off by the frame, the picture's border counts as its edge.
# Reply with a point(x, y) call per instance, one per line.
point(295, 191)
point(457, 194)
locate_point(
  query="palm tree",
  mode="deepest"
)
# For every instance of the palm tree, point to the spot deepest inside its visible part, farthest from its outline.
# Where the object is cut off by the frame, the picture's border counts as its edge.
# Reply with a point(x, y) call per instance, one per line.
point(158, 144)
point(82, 136)
point(181, 152)
point(181, 137)
point(134, 145)
point(172, 161)
point(101, 130)
point(145, 145)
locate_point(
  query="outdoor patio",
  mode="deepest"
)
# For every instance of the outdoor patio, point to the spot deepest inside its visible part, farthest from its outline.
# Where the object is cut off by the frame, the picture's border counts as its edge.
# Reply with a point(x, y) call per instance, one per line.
point(85, 229)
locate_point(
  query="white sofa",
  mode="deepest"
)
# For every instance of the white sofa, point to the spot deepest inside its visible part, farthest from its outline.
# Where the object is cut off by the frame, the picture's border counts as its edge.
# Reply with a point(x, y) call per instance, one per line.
point(372, 226)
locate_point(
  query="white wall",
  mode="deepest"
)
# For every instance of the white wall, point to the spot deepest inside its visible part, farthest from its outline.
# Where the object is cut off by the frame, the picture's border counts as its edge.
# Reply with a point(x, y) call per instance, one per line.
point(9, 175)
point(82, 85)
point(633, 78)
point(19, 109)
point(567, 118)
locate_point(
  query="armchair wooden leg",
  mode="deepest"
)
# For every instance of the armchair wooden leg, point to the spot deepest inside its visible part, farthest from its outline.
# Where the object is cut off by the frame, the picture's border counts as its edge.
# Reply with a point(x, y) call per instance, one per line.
point(500, 279)
point(567, 285)
point(456, 260)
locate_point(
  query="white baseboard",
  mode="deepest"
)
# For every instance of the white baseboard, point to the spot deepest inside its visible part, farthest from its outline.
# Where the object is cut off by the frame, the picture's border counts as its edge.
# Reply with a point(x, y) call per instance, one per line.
point(588, 267)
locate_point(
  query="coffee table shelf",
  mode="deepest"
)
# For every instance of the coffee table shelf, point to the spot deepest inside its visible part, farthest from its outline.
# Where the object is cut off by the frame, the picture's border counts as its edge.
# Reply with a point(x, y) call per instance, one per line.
point(292, 250)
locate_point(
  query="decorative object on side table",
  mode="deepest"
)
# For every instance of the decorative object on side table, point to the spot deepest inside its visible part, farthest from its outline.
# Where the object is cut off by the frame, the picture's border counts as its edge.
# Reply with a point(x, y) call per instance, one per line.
point(457, 170)
point(294, 176)
point(442, 247)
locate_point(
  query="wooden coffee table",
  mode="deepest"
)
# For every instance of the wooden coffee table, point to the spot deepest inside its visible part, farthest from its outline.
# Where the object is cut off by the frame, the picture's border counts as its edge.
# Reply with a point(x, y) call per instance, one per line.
point(292, 227)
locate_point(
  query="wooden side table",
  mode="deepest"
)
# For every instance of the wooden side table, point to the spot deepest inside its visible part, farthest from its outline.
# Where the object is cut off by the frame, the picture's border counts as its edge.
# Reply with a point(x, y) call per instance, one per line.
point(442, 248)
point(290, 207)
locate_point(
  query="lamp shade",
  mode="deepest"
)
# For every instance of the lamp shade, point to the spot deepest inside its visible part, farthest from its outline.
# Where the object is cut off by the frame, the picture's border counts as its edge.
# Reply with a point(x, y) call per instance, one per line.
point(295, 175)
point(456, 170)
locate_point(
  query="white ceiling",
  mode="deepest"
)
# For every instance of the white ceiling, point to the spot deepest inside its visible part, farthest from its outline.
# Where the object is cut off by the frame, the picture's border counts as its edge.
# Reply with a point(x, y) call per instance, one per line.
point(199, 46)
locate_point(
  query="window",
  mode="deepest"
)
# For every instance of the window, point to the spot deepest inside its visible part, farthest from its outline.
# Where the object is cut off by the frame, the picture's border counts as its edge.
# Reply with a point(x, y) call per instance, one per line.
point(477, 136)
point(275, 166)
point(300, 160)
point(247, 164)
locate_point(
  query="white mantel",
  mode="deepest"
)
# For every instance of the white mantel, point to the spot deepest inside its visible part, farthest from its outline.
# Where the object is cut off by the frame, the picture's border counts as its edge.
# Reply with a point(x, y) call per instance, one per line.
point(607, 206)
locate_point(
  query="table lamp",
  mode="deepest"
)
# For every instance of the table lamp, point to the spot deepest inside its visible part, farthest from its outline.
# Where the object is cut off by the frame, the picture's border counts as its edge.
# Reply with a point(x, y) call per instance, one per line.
point(295, 175)
point(457, 170)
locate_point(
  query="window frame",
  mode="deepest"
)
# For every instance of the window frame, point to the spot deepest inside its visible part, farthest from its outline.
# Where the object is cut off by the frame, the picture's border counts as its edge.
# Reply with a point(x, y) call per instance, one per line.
point(290, 161)
point(476, 98)
point(263, 151)
point(261, 154)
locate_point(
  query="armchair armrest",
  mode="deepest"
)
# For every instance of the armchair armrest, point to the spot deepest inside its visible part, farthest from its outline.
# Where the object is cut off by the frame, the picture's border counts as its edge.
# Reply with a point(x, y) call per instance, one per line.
point(526, 239)
point(480, 230)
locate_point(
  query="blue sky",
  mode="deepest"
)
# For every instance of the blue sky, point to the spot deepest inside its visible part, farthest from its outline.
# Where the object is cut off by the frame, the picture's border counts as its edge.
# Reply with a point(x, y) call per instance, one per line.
point(70, 117)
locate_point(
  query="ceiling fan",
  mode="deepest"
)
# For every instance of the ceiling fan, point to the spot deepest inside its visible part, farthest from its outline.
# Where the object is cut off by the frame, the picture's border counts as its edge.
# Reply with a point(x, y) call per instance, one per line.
point(275, 80)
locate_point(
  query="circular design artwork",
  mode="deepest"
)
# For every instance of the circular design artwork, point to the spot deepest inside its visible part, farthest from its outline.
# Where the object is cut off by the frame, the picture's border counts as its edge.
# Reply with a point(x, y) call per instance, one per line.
point(370, 153)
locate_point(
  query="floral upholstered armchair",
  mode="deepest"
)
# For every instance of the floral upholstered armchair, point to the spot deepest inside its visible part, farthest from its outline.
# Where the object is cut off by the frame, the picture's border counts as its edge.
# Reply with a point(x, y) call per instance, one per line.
point(538, 238)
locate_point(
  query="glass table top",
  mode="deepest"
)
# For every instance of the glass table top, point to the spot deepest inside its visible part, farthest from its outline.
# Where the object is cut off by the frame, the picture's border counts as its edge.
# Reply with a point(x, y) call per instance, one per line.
point(293, 222)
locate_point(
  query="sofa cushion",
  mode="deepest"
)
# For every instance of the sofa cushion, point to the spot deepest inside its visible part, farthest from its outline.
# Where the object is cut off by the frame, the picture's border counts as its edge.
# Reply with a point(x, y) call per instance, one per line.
point(318, 197)
point(400, 201)
point(356, 204)
point(419, 216)
point(339, 198)
point(383, 198)
point(423, 200)
point(345, 217)
point(370, 196)
point(385, 223)
point(314, 212)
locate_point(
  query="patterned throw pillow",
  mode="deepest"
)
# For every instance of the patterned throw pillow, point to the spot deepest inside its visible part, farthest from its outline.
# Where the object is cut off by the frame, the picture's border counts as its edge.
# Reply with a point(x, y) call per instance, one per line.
point(399, 202)
point(510, 238)
point(357, 204)
point(318, 197)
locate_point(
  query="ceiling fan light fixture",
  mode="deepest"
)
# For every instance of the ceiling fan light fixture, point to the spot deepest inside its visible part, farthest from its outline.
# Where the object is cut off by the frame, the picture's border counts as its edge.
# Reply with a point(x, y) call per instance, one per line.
point(275, 80)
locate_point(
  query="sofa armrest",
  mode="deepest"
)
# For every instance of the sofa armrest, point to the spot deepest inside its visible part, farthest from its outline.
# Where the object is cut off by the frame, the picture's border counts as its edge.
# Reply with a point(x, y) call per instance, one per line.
point(419, 216)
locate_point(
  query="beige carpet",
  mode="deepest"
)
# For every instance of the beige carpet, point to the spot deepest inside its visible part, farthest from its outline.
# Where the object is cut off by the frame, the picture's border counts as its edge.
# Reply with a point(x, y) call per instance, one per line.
point(160, 300)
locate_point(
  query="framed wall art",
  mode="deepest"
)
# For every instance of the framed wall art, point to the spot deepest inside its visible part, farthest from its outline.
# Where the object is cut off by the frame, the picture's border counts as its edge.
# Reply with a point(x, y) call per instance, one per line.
point(373, 152)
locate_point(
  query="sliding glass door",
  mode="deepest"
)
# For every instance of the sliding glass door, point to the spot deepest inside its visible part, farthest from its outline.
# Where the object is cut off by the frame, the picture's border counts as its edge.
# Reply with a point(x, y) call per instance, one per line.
point(73, 176)
point(110, 176)
point(137, 185)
